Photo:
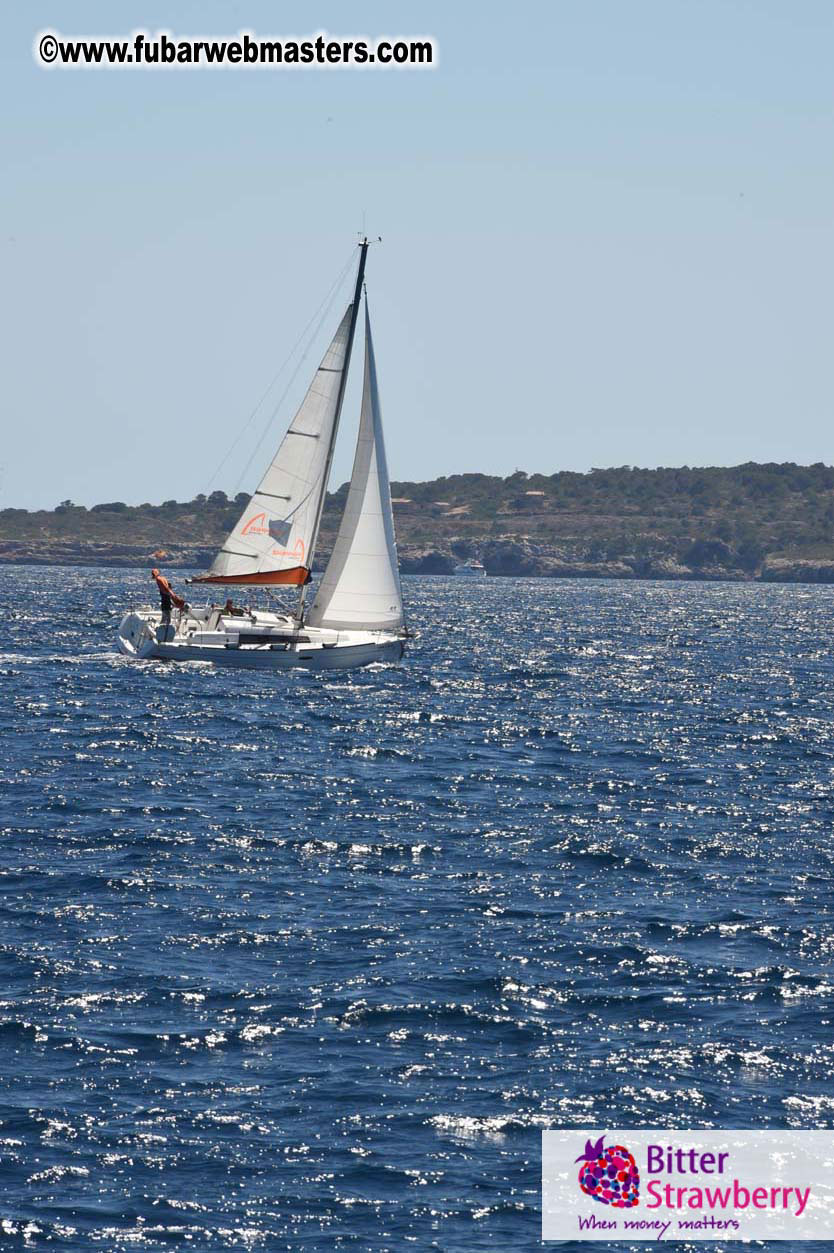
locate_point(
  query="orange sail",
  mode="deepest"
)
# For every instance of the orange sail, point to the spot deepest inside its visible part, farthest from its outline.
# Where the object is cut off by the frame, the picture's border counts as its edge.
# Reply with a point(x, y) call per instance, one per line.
point(295, 577)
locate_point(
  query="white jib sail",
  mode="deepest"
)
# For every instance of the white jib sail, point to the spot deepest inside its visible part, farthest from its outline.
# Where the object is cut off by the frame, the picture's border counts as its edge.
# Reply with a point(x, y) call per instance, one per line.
point(274, 531)
point(361, 585)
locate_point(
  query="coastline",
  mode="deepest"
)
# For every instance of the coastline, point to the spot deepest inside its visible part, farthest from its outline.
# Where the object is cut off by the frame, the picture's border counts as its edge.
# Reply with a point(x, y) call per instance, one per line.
point(504, 557)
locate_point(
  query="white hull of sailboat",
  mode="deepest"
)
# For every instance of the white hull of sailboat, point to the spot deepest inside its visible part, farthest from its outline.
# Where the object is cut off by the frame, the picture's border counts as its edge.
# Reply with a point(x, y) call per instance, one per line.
point(266, 642)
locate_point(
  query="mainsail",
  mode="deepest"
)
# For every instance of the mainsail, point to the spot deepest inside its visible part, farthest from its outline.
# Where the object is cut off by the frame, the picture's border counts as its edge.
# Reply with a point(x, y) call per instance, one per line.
point(273, 540)
point(361, 586)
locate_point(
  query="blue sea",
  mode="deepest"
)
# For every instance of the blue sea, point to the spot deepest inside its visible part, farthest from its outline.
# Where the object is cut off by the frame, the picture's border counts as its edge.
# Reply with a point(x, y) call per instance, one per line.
point(308, 961)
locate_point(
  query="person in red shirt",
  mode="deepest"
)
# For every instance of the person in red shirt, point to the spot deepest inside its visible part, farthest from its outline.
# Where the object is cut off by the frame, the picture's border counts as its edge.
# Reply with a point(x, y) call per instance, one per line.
point(168, 597)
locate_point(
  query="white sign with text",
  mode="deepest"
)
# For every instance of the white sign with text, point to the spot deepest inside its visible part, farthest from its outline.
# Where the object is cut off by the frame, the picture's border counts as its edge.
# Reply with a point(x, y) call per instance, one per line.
point(687, 1185)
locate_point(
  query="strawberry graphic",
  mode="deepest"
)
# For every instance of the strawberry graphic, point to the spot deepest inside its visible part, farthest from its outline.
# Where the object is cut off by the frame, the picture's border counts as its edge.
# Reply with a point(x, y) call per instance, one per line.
point(609, 1175)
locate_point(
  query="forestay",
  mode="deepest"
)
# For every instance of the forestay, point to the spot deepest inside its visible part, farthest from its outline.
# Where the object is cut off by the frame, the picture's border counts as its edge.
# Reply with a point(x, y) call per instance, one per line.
point(272, 540)
point(361, 585)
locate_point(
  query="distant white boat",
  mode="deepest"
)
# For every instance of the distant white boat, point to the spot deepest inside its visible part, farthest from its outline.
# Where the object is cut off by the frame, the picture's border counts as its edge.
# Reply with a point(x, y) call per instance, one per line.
point(474, 569)
point(357, 615)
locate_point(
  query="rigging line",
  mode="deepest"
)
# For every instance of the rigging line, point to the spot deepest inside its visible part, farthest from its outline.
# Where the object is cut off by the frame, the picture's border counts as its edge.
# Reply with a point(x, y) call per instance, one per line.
point(328, 300)
point(292, 378)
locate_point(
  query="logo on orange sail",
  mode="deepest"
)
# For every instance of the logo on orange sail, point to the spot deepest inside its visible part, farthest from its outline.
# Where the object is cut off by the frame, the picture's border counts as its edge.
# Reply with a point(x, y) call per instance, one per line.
point(278, 529)
point(297, 552)
point(256, 525)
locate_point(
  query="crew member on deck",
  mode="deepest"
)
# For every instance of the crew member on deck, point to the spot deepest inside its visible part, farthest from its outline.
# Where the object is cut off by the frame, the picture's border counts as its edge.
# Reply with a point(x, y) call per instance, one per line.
point(167, 596)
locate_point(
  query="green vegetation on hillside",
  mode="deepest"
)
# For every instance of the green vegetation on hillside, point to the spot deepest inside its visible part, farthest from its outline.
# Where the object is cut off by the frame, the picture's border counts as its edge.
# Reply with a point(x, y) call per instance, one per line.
point(709, 517)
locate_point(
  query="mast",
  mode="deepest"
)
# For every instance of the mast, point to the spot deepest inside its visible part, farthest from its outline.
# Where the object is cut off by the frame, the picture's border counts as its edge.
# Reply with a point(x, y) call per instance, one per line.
point(354, 313)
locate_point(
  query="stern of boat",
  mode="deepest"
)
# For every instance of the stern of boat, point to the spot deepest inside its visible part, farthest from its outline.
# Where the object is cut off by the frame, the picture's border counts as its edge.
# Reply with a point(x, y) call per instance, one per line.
point(137, 634)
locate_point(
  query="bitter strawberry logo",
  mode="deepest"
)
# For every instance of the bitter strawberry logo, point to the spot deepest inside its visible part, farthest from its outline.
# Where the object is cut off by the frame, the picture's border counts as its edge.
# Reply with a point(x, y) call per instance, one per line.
point(609, 1175)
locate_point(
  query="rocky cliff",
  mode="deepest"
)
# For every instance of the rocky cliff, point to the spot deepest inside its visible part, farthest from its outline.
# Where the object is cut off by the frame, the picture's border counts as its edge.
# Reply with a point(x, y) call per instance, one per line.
point(506, 556)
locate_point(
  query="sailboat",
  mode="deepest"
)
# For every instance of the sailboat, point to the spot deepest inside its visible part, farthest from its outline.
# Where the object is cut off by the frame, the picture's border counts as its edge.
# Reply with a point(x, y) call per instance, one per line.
point(356, 616)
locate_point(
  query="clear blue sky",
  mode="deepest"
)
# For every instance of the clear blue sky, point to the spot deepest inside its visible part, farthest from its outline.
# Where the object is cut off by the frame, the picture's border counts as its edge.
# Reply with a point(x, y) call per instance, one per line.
point(607, 239)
